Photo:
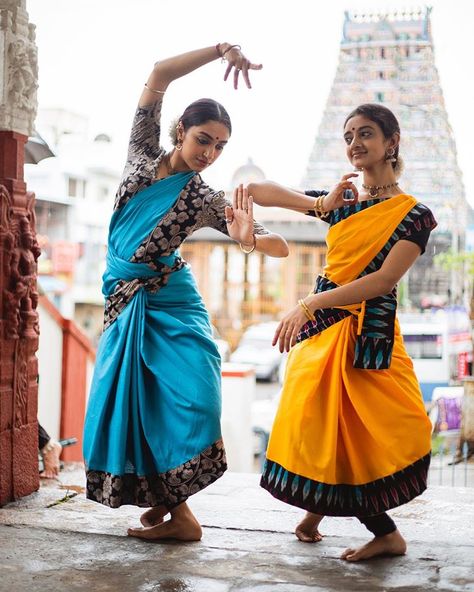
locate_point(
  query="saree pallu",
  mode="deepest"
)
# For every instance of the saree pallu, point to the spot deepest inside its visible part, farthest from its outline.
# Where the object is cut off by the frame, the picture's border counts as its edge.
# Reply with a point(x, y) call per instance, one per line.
point(350, 440)
point(152, 430)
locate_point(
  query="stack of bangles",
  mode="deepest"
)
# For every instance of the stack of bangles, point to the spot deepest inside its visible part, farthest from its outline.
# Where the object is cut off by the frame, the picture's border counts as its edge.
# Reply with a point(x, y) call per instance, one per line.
point(318, 207)
point(309, 315)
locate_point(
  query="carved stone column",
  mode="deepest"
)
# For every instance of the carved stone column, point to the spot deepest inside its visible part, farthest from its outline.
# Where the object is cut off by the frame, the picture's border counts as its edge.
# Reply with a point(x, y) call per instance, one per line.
point(18, 254)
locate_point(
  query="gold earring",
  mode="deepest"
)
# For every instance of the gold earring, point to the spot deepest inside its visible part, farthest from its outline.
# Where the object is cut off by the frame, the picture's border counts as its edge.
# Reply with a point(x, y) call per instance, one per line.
point(179, 146)
point(390, 156)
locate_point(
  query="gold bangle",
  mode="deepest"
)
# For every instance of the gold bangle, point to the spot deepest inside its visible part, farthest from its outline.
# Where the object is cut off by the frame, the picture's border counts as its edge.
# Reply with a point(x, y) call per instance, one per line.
point(157, 92)
point(252, 249)
point(309, 315)
point(318, 207)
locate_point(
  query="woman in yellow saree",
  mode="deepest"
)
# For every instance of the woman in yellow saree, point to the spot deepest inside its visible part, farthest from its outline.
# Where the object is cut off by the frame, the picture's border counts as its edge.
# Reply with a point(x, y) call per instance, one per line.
point(351, 436)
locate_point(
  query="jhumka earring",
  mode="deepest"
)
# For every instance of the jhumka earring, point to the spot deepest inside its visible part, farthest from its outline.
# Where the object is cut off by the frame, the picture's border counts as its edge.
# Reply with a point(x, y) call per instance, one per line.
point(179, 146)
point(390, 156)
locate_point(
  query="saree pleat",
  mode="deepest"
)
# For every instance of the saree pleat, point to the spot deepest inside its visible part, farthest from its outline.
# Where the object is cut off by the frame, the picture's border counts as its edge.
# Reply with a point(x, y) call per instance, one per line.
point(348, 441)
point(152, 431)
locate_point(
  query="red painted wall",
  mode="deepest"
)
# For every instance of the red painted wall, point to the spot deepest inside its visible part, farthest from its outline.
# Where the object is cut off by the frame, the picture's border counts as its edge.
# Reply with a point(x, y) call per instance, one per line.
point(77, 351)
point(18, 326)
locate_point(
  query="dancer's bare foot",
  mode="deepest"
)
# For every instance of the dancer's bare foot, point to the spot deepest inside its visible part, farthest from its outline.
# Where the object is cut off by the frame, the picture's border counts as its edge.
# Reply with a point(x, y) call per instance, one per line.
point(307, 530)
point(51, 453)
point(390, 544)
point(182, 526)
point(153, 516)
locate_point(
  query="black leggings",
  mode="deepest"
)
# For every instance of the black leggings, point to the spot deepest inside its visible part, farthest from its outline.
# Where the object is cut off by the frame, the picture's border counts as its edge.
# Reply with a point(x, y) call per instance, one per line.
point(379, 525)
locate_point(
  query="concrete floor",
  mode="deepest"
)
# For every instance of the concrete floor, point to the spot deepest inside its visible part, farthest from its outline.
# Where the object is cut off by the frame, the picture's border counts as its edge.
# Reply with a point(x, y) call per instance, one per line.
point(52, 545)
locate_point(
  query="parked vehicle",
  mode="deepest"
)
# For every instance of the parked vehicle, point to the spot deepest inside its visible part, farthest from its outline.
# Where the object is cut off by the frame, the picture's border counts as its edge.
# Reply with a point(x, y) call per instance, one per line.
point(222, 345)
point(440, 346)
point(255, 348)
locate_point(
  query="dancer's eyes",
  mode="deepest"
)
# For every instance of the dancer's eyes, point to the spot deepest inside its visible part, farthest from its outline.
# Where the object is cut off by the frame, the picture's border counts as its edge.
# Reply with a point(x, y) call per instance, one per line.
point(203, 141)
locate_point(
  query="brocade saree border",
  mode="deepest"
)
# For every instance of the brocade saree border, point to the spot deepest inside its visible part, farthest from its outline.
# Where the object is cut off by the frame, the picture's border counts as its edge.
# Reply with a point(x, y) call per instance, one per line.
point(169, 489)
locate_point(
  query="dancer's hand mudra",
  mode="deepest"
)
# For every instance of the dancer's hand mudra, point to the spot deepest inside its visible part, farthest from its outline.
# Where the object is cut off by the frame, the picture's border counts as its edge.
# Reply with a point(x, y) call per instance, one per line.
point(239, 217)
point(288, 329)
point(335, 198)
point(236, 60)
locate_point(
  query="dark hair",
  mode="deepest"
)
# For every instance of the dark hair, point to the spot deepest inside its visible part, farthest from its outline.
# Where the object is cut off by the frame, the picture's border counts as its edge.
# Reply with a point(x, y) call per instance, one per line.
point(387, 122)
point(200, 112)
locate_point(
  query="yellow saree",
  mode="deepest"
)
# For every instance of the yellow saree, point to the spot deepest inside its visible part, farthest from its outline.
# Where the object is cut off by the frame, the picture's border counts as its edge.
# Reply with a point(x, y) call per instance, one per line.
point(348, 438)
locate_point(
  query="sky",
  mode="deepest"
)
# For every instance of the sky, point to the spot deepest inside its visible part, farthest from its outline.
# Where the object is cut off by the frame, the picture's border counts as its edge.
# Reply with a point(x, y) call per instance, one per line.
point(95, 55)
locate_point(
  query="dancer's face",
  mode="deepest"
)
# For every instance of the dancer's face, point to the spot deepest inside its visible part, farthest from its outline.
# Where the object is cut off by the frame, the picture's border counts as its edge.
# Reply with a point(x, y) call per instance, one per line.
point(366, 145)
point(203, 144)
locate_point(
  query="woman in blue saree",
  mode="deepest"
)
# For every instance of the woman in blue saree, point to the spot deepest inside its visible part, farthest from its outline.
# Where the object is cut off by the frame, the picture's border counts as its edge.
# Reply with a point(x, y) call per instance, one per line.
point(152, 431)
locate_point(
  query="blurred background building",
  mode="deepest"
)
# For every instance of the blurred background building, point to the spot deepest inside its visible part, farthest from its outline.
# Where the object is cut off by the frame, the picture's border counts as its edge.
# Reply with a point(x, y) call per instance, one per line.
point(74, 200)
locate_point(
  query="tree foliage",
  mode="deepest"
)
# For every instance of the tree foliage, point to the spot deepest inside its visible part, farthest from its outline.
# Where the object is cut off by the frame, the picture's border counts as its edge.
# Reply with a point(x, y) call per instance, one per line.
point(461, 261)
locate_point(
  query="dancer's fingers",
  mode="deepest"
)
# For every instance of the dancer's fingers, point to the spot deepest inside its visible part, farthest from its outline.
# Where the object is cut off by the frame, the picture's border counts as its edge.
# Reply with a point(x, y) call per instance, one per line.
point(245, 73)
point(229, 215)
point(250, 206)
point(349, 176)
point(235, 198)
point(277, 334)
point(240, 197)
point(245, 199)
point(236, 78)
point(227, 71)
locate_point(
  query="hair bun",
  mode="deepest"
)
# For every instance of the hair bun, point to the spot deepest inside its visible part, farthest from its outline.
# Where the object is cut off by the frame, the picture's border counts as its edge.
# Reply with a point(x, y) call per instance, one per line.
point(173, 132)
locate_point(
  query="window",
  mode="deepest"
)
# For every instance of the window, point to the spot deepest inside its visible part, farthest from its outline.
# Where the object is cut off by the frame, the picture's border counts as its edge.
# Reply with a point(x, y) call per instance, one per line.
point(102, 192)
point(76, 187)
point(424, 347)
point(72, 187)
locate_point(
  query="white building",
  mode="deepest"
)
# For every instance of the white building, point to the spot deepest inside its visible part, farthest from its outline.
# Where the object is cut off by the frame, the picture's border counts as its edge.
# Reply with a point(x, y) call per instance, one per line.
point(74, 199)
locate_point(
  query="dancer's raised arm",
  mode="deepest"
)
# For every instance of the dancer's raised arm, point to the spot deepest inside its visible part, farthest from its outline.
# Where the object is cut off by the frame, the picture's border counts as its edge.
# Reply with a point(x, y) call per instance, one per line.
point(169, 69)
point(268, 193)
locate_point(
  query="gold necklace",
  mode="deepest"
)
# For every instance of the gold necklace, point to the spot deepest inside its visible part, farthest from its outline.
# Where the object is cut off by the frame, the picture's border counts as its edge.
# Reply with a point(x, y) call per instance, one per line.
point(375, 190)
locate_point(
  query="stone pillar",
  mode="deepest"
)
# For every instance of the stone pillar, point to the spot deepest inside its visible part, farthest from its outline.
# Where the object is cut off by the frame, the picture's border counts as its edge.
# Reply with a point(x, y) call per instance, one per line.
point(18, 254)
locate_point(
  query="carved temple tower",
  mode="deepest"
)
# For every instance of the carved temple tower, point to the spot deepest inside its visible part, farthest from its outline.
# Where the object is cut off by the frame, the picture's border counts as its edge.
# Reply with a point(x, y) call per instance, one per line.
point(389, 58)
point(18, 254)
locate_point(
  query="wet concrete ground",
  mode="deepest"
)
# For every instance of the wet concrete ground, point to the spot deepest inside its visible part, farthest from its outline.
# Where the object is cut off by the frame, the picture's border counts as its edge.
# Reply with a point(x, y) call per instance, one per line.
point(248, 545)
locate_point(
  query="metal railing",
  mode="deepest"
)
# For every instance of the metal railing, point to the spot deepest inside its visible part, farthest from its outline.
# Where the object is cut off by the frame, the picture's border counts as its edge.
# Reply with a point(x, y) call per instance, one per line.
point(450, 465)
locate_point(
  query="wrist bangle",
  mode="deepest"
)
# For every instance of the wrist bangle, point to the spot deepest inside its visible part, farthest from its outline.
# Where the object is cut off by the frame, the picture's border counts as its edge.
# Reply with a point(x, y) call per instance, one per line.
point(309, 315)
point(318, 207)
point(228, 49)
point(157, 92)
point(252, 249)
point(219, 50)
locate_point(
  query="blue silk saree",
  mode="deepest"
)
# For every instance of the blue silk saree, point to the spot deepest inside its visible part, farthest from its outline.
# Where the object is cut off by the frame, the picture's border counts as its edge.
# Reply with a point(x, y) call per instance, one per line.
point(152, 429)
